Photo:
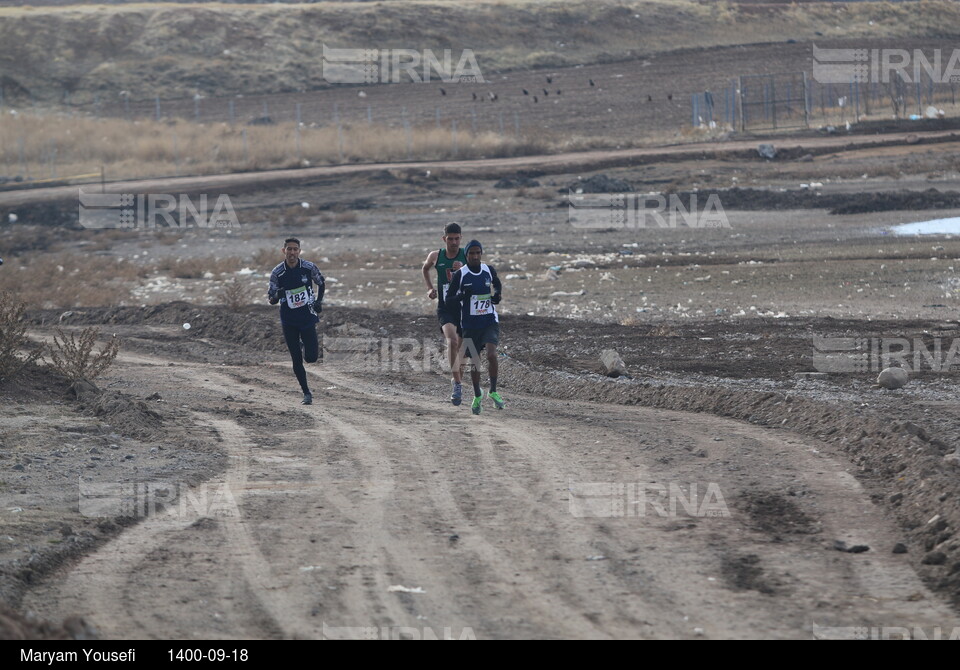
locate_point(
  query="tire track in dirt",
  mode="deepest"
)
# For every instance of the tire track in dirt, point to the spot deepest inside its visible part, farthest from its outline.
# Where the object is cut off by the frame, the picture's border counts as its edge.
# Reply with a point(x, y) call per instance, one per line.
point(373, 488)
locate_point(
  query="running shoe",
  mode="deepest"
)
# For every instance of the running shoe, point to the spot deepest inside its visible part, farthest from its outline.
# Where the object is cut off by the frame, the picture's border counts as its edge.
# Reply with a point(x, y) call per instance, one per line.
point(457, 396)
point(476, 408)
point(307, 399)
point(498, 402)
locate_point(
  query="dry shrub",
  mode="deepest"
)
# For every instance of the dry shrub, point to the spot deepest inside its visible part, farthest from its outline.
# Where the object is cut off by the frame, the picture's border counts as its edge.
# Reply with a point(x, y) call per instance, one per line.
point(345, 217)
point(267, 258)
point(73, 356)
point(13, 338)
point(233, 295)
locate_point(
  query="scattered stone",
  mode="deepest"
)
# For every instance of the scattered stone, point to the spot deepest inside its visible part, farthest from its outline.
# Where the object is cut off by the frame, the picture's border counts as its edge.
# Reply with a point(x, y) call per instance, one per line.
point(934, 558)
point(83, 389)
point(517, 182)
point(806, 158)
point(612, 363)
point(912, 139)
point(839, 545)
point(858, 549)
point(599, 183)
point(767, 151)
point(896, 498)
point(18, 467)
point(953, 459)
point(893, 378)
point(154, 396)
point(809, 375)
point(899, 548)
point(261, 121)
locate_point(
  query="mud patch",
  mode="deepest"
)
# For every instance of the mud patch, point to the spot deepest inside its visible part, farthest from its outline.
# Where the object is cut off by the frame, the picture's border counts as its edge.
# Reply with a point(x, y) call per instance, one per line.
point(775, 515)
point(744, 573)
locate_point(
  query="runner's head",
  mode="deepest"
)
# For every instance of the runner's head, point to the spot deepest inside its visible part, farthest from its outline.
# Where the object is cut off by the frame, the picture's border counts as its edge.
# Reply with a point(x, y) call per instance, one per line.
point(451, 236)
point(291, 251)
point(474, 250)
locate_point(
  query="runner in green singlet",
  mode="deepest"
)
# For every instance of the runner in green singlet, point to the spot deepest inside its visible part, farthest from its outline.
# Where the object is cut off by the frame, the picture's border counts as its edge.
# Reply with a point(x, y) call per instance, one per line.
point(446, 261)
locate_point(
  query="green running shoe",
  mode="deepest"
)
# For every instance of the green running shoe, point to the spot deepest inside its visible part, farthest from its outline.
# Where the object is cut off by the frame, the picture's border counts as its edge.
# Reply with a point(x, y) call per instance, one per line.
point(476, 407)
point(497, 400)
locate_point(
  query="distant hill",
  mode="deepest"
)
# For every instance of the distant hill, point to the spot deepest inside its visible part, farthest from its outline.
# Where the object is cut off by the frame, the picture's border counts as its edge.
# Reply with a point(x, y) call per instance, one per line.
point(146, 50)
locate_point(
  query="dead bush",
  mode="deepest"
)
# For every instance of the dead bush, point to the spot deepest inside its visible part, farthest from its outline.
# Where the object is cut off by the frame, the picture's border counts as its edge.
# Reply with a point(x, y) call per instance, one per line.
point(13, 338)
point(234, 295)
point(72, 356)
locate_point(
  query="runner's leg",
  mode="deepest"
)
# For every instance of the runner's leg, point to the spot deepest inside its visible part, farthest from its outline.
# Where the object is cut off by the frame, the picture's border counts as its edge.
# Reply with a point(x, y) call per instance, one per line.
point(292, 336)
point(311, 346)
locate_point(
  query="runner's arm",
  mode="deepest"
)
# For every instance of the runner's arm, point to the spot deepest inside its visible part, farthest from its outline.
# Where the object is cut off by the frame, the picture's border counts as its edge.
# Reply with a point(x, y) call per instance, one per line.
point(497, 286)
point(317, 278)
point(454, 294)
point(427, 265)
point(274, 292)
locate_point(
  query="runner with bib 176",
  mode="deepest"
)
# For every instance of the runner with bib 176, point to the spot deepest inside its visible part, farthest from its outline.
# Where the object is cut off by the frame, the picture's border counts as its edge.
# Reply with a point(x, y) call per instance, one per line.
point(291, 285)
point(447, 261)
point(475, 290)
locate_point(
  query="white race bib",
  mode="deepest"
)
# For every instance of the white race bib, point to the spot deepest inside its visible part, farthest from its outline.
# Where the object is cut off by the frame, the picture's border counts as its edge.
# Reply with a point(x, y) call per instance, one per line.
point(480, 305)
point(297, 297)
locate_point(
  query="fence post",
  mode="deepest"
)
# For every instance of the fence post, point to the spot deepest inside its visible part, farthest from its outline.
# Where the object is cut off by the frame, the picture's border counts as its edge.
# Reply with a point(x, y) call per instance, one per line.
point(369, 115)
point(438, 118)
point(453, 130)
point(473, 116)
point(743, 123)
point(336, 118)
point(158, 107)
point(500, 113)
point(232, 115)
point(694, 99)
point(176, 153)
point(516, 123)
point(806, 101)
point(299, 156)
point(773, 102)
point(246, 148)
point(406, 131)
point(23, 160)
point(196, 108)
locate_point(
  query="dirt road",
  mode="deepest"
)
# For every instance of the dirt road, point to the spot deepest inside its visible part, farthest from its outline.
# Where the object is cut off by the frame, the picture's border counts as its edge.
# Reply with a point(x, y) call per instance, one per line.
point(494, 526)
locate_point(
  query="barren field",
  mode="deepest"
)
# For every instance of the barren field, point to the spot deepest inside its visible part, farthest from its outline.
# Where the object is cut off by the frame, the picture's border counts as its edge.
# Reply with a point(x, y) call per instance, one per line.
point(728, 486)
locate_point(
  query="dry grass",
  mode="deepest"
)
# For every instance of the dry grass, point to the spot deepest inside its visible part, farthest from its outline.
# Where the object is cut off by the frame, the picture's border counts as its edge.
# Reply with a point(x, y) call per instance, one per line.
point(48, 146)
point(70, 280)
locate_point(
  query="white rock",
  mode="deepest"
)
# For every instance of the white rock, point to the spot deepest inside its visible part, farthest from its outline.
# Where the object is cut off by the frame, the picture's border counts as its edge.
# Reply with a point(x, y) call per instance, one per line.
point(893, 378)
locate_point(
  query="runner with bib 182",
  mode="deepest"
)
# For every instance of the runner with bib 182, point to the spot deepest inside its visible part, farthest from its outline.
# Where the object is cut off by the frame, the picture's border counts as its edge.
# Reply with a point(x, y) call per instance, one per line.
point(291, 285)
point(475, 290)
